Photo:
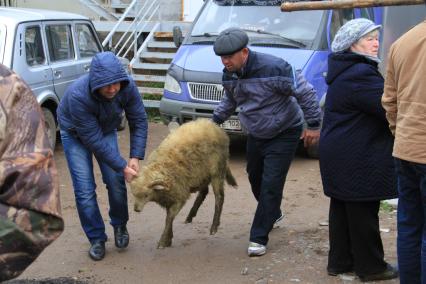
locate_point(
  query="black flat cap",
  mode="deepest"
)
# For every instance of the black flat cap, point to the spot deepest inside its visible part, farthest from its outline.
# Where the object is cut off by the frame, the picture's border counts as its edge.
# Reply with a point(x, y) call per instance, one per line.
point(230, 41)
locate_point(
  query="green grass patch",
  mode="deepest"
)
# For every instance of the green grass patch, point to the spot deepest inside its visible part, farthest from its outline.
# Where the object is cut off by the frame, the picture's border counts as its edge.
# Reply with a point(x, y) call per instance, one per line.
point(153, 115)
point(153, 84)
point(154, 97)
point(386, 207)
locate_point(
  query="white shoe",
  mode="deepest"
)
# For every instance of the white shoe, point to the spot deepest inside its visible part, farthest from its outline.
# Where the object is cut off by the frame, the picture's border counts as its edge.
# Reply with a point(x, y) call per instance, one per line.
point(278, 222)
point(256, 249)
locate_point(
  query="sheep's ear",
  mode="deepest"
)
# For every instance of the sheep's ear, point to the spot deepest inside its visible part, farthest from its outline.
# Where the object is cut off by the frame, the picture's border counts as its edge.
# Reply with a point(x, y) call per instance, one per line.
point(159, 185)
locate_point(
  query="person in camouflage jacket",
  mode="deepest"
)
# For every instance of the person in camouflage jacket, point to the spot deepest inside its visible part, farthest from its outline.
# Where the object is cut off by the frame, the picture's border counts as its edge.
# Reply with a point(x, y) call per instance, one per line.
point(30, 214)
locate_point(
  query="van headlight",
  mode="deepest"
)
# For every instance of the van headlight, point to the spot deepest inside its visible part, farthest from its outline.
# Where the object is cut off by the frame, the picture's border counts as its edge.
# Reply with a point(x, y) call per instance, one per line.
point(172, 85)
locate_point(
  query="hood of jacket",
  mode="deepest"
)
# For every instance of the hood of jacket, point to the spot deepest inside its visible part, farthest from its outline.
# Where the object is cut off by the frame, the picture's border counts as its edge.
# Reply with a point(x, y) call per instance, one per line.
point(106, 69)
point(339, 62)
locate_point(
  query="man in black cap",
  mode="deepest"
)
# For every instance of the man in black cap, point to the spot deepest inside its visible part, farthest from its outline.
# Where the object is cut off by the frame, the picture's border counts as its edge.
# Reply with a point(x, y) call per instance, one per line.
point(274, 103)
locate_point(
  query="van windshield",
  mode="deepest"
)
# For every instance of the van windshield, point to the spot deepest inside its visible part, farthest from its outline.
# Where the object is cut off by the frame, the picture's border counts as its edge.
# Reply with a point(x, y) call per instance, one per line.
point(266, 24)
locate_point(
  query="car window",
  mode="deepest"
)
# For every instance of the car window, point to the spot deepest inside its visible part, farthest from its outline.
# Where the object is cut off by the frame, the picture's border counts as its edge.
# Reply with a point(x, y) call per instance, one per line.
point(59, 41)
point(86, 41)
point(34, 52)
point(338, 19)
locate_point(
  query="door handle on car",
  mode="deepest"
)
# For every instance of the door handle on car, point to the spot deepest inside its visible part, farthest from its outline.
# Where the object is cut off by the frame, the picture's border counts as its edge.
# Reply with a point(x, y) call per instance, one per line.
point(57, 73)
point(86, 67)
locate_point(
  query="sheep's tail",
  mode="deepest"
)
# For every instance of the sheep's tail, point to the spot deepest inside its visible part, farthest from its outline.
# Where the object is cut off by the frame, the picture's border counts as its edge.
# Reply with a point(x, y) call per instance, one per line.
point(230, 178)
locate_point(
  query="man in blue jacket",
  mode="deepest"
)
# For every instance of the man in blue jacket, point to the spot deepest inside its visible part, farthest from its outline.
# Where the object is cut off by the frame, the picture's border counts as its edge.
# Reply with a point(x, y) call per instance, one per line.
point(88, 116)
point(273, 105)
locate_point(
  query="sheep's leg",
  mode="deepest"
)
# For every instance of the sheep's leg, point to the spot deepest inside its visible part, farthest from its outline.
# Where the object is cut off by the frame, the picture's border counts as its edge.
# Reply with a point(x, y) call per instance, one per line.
point(198, 201)
point(217, 184)
point(166, 237)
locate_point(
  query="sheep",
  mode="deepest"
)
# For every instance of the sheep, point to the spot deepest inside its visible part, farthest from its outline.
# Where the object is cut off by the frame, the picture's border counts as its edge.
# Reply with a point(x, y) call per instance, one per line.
point(188, 160)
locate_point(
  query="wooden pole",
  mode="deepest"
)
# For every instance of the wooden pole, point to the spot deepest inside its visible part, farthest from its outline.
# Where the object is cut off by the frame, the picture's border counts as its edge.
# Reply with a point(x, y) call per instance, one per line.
point(342, 4)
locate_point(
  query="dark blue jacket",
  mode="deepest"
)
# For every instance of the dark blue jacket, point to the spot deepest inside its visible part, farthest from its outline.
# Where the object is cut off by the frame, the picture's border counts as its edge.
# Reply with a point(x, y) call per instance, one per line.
point(355, 145)
point(270, 97)
point(89, 115)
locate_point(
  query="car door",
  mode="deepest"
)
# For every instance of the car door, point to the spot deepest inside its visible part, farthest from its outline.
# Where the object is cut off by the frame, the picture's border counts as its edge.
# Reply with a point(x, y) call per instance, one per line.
point(87, 44)
point(30, 60)
point(61, 54)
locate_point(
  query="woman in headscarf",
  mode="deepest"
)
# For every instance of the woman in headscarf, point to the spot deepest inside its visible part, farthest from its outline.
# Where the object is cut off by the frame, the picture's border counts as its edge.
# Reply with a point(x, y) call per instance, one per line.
point(356, 153)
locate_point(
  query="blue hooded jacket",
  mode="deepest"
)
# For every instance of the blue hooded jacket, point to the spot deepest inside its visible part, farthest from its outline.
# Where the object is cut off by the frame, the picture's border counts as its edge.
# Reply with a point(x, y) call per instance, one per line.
point(90, 116)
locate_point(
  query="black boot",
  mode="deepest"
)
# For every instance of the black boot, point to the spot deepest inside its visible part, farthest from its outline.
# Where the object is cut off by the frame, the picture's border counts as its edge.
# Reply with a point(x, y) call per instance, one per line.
point(121, 236)
point(97, 250)
point(389, 273)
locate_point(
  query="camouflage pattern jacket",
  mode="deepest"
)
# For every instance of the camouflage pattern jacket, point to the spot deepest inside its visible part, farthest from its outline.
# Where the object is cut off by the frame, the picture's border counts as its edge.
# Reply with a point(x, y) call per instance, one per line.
point(30, 215)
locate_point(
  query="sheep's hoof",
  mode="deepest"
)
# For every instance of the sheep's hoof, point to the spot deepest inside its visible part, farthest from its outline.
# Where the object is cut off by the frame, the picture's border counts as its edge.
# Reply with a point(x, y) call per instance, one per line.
point(213, 231)
point(136, 208)
point(164, 244)
point(188, 220)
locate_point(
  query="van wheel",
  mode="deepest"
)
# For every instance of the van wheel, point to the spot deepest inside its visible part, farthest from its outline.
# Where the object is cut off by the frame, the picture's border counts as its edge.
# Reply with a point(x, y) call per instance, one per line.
point(49, 122)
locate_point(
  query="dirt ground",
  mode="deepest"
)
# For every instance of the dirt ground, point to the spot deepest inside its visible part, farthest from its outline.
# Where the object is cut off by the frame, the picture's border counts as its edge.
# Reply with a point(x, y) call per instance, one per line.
point(297, 252)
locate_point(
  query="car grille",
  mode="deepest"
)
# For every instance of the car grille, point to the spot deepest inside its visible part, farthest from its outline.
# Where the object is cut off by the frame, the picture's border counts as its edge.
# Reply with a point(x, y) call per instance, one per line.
point(206, 92)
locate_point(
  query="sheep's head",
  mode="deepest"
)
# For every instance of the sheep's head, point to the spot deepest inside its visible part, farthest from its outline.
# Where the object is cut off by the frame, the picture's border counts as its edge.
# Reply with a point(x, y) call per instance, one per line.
point(146, 189)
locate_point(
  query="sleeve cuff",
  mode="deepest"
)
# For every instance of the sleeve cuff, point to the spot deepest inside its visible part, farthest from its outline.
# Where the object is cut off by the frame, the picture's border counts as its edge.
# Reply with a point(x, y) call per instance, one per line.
point(216, 119)
point(315, 125)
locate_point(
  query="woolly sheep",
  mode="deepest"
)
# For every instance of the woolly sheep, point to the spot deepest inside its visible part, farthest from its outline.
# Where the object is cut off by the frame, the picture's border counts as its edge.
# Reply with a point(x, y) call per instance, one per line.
point(189, 159)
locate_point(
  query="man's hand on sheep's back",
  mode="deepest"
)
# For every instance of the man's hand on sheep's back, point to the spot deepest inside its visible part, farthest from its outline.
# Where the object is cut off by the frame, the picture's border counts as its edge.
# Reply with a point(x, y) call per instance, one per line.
point(129, 173)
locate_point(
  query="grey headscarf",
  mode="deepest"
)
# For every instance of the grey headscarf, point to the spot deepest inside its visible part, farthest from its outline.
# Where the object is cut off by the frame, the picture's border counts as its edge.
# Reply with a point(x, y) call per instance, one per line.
point(351, 32)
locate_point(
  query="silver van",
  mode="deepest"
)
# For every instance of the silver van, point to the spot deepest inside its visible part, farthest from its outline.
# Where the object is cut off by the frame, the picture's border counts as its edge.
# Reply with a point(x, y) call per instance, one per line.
point(49, 50)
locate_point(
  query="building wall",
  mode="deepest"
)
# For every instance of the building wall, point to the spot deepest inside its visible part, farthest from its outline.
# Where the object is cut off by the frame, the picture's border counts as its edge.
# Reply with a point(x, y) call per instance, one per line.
point(71, 6)
point(170, 10)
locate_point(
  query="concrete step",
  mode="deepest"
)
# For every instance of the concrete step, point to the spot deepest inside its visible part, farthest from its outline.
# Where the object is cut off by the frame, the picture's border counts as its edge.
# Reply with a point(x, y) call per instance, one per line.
point(159, 55)
point(151, 103)
point(161, 44)
point(119, 6)
point(149, 78)
point(147, 90)
point(151, 66)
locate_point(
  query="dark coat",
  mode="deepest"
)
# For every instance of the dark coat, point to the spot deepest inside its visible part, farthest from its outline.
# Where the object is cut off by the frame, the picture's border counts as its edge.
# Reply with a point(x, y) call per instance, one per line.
point(356, 144)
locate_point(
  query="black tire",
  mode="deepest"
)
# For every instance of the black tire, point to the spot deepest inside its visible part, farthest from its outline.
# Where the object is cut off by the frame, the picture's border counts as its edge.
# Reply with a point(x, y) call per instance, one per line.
point(50, 125)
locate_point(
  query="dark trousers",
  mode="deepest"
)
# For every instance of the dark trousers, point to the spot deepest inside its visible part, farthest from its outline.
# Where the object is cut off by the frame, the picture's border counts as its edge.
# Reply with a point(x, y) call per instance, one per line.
point(268, 161)
point(355, 242)
point(411, 241)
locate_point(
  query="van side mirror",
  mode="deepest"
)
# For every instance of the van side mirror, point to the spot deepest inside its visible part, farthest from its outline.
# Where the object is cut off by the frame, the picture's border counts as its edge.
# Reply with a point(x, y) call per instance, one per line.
point(177, 36)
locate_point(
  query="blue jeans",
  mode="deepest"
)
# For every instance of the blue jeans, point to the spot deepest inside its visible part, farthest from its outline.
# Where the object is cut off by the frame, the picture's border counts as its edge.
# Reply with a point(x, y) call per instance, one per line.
point(80, 164)
point(268, 161)
point(411, 241)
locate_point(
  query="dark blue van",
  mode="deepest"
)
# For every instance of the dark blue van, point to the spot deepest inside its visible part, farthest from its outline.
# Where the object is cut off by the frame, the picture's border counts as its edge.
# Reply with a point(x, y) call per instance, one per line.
point(193, 84)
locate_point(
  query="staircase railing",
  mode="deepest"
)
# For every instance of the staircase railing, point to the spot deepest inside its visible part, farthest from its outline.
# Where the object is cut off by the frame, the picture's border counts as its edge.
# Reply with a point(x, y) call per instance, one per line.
point(129, 39)
point(136, 58)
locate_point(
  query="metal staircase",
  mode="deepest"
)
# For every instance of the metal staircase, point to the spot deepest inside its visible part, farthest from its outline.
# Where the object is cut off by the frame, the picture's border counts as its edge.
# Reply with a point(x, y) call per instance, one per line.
point(141, 36)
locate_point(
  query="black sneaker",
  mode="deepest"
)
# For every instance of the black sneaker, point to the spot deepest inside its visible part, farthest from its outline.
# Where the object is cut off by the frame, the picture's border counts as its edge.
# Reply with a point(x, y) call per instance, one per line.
point(389, 273)
point(121, 236)
point(97, 250)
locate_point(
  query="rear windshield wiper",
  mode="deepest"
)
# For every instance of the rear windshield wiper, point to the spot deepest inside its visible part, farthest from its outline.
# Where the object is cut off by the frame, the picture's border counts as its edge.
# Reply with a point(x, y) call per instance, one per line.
point(294, 42)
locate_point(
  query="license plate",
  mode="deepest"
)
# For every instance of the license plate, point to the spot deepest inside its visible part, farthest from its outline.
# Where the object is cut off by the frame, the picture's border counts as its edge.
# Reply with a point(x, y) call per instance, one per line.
point(231, 124)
